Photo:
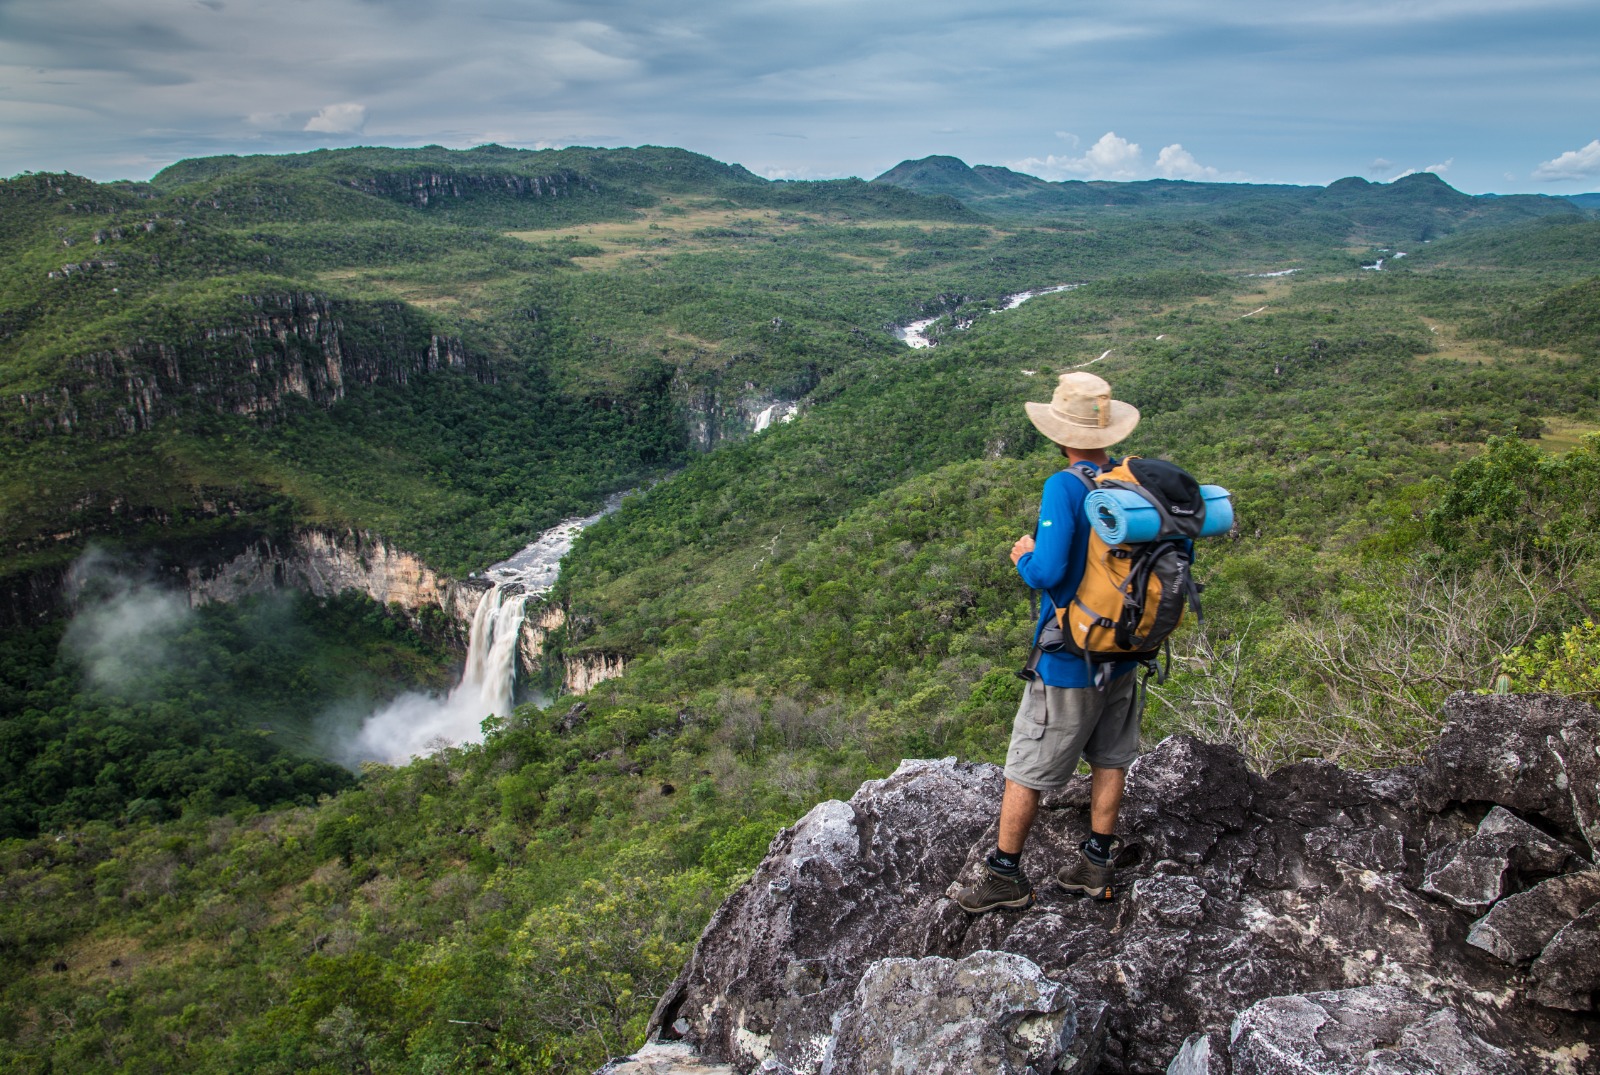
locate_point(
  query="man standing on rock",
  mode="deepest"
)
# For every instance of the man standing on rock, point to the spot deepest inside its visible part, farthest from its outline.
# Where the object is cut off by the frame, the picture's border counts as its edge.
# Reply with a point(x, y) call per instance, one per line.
point(1069, 710)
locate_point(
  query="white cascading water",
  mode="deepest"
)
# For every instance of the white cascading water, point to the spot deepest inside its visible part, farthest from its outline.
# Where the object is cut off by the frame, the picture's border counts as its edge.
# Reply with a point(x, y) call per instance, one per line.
point(417, 723)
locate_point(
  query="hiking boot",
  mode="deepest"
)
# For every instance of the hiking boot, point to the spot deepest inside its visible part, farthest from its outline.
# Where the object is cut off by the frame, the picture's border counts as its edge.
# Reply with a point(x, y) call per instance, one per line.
point(995, 890)
point(1085, 877)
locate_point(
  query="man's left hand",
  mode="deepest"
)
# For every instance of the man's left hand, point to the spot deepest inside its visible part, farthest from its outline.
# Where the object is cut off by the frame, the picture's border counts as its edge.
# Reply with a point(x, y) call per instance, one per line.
point(1023, 546)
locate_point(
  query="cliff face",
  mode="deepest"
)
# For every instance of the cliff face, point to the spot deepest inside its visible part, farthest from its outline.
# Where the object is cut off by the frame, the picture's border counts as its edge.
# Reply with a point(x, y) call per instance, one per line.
point(1443, 918)
point(424, 188)
point(580, 673)
point(324, 563)
point(714, 411)
point(583, 673)
point(289, 344)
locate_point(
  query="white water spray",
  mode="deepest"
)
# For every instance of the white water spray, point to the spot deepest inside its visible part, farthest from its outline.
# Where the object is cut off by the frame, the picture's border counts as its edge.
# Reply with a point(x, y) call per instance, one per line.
point(417, 723)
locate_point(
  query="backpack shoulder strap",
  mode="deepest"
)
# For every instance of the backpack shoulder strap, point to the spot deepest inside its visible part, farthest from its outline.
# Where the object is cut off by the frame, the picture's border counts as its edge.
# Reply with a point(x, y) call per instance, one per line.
point(1087, 474)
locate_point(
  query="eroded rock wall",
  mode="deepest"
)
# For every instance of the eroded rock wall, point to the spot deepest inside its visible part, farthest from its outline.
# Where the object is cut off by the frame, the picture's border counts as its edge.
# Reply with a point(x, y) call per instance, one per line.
point(584, 672)
point(275, 346)
point(324, 563)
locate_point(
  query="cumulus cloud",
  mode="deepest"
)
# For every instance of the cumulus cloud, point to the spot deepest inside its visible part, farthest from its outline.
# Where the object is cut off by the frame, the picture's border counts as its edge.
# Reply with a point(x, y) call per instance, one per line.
point(1175, 162)
point(1381, 166)
point(346, 118)
point(1436, 169)
point(1573, 164)
point(1112, 157)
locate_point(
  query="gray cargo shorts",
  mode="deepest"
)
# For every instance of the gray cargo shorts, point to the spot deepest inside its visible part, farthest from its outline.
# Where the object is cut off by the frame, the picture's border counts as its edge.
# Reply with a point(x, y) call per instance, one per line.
point(1057, 725)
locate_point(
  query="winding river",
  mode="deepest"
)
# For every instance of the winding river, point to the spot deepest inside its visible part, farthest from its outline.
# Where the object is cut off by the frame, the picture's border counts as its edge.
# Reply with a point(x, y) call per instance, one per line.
point(915, 334)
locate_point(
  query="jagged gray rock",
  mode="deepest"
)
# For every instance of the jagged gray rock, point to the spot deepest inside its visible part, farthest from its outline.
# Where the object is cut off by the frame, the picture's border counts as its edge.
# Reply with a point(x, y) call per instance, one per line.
point(665, 1058)
point(1568, 970)
point(991, 1012)
point(1525, 755)
point(1234, 890)
point(1474, 873)
point(1518, 927)
point(1201, 1054)
point(786, 951)
point(1577, 747)
point(1370, 1029)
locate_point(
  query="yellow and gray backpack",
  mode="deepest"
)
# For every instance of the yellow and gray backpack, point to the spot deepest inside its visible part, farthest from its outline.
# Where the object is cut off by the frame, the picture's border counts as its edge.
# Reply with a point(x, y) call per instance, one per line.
point(1134, 591)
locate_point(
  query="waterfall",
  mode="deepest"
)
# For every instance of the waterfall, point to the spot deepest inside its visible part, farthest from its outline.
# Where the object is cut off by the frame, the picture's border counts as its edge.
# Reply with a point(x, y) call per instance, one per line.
point(417, 723)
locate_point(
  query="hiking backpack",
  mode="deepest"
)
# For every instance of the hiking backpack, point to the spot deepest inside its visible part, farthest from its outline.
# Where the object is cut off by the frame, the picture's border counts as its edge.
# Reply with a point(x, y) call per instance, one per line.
point(1133, 595)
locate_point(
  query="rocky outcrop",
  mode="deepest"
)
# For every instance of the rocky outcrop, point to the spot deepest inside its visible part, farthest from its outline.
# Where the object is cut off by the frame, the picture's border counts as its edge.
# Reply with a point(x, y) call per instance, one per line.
point(323, 563)
point(1317, 920)
point(582, 673)
point(996, 1012)
point(1375, 1028)
point(543, 620)
point(711, 416)
point(430, 187)
point(1519, 927)
point(273, 347)
point(1474, 873)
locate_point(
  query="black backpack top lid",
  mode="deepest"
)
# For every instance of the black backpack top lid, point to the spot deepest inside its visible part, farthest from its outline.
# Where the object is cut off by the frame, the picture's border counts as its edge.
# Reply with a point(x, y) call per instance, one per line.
point(1175, 490)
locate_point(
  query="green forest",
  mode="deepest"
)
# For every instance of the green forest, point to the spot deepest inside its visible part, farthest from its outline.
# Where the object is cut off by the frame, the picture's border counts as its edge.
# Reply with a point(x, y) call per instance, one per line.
point(194, 877)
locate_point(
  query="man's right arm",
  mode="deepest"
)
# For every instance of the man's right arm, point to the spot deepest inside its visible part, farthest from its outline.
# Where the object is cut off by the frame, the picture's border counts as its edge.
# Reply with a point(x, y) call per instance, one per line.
point(1045, 565)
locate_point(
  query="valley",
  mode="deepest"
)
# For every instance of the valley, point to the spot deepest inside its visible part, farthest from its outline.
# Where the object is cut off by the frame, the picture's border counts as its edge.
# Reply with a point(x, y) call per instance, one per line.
point(400, 367)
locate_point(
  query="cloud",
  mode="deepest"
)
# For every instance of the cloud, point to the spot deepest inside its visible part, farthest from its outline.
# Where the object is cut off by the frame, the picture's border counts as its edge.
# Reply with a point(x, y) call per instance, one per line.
point(1112, 157)
point(1436, 169)
point(1380, 166)
point(347, 118)
point(1573, 164)
point(1175, 162)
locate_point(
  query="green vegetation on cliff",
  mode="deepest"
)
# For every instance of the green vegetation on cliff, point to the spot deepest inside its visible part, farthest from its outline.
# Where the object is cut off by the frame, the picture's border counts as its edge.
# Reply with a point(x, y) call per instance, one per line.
point(1409, 448)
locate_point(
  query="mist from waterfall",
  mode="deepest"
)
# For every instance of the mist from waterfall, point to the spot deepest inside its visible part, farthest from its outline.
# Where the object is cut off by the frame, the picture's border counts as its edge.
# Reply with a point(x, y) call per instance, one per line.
point(417, 723)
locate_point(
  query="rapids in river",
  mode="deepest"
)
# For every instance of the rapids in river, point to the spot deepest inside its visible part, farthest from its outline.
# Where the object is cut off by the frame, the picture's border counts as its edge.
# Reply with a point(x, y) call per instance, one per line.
point(915, 334)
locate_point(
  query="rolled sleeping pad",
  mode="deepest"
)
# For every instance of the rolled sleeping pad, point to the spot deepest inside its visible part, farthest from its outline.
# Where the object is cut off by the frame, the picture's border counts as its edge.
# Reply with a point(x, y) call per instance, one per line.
point(1219, 511)
point(1119, 515)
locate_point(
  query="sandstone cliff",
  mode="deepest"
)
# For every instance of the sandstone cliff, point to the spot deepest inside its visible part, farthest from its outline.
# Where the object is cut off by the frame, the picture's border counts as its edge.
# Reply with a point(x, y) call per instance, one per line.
point(324, 563)
point(1442, 918)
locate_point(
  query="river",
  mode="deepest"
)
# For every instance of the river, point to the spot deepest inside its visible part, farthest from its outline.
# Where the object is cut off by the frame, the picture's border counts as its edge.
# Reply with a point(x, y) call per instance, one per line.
point(915, 334)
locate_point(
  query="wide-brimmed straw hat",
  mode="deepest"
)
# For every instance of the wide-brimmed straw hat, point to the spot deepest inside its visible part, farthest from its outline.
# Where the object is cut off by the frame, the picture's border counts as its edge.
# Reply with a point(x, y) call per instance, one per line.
point(1082, 413)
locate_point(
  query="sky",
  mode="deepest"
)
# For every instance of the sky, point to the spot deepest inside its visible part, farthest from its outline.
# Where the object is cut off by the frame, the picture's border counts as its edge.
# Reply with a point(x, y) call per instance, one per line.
point(1493, 95)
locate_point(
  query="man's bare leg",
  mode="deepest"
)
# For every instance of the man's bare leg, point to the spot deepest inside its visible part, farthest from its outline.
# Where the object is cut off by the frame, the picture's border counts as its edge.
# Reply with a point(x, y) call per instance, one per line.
point(1003, 884)
point(1090, 873)
point(1018, 808)
point(1105, 800)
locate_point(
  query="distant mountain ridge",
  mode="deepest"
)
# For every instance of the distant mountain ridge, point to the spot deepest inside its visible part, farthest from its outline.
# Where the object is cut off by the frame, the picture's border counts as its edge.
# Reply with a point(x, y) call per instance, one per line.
point(1420, 204)
point(496, 186)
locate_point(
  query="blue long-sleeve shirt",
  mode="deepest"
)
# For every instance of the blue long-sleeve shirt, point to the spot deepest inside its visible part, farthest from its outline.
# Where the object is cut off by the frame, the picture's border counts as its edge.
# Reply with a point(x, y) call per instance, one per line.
point(1055, 567)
